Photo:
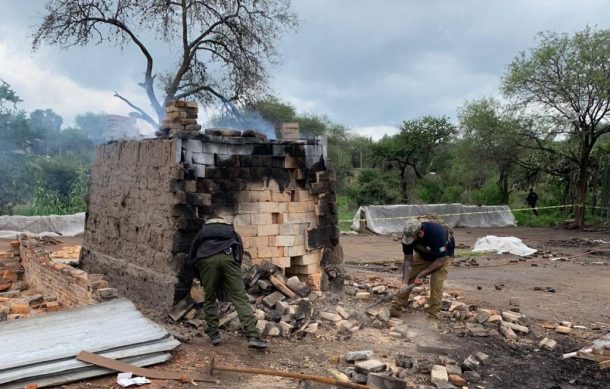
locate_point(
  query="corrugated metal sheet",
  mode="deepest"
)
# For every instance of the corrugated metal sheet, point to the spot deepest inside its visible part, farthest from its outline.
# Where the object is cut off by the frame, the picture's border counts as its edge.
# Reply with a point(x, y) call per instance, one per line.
point(90, 372)
point(37, 348)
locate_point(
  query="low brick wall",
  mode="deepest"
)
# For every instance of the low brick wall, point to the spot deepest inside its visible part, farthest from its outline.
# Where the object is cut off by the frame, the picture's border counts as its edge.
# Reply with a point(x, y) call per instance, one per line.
point(72, 287)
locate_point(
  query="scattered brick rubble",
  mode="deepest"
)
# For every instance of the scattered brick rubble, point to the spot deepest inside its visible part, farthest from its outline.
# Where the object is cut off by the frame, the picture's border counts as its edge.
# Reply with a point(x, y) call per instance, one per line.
point(34, 283)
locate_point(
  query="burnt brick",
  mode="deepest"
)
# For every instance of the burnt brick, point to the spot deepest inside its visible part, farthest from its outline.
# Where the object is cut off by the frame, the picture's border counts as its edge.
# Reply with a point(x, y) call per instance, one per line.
point(225, 197)
point(282, 177)
point(262, 149)
point(320, 236)
point(226, 160)
point(278, 162)
point(259, 173)
point(217, 173)
point(227, 185)
point(207, 185)
point(224, 208)
point(199, 199)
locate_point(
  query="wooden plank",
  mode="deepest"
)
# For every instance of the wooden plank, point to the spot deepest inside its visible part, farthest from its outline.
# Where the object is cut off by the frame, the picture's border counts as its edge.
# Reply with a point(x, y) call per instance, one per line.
point(123, 367)
point(281, 286)
point(592, 357)
point(604, 365)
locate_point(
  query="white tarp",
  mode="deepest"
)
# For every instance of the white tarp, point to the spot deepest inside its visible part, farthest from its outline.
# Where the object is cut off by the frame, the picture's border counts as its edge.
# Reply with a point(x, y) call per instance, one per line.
point(53, 225)
point(501, 245)
point(388, 219)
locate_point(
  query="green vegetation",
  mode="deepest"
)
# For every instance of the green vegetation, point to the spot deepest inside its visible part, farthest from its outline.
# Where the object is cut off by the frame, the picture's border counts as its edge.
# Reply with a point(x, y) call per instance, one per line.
point(43, 168)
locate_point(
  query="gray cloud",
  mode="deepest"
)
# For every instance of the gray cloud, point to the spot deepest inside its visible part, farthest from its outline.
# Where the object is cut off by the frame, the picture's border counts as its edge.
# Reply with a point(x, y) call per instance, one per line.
point(366, 64)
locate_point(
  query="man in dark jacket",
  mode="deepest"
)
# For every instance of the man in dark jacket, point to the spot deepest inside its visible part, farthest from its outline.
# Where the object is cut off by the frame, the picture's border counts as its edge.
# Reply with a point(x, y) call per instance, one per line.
point(531, 199)
point(216, 254)
point(427, 248)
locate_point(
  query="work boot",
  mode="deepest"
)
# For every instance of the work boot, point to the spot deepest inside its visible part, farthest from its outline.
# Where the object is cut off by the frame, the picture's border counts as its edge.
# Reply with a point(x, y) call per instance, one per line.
point(395, 312)
point(215, 339)
point(257, 343)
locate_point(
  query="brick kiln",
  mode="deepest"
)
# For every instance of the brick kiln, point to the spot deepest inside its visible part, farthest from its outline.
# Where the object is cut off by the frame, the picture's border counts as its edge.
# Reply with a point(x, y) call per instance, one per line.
point(147, 199)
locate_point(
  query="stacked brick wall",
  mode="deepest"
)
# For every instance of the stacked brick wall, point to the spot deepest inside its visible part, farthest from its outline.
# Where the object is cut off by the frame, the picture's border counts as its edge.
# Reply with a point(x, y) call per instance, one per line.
point(72, 287)
point(131, 219)
point(280, 196)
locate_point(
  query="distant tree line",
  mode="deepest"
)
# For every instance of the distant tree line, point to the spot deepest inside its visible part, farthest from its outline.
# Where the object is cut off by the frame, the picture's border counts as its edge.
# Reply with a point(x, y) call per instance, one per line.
point(43, 168)
point(549, 132)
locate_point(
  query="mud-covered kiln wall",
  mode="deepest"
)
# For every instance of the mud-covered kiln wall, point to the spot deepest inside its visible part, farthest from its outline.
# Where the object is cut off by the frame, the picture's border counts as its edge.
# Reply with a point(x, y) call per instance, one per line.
point(131, 221)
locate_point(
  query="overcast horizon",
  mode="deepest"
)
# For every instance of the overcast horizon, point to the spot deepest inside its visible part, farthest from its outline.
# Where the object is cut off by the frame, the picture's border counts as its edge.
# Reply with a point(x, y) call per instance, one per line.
point(366, 65)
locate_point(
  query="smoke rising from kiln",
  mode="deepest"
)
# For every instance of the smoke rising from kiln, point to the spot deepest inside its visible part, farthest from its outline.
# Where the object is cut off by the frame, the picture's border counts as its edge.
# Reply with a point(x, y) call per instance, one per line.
point(239, 119)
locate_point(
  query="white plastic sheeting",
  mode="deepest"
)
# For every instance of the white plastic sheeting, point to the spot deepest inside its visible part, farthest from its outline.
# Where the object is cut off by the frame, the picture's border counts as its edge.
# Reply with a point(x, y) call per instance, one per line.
point(388, 219)
point(501, 245)
point(53, 225)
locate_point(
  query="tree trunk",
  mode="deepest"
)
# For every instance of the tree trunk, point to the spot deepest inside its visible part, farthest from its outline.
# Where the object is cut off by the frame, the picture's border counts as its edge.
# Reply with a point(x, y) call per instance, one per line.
point(581, 192)
point(403, 182)
point(503, 185)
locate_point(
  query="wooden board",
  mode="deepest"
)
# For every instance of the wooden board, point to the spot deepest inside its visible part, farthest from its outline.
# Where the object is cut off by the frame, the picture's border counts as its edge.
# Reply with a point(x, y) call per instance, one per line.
point(123, 367)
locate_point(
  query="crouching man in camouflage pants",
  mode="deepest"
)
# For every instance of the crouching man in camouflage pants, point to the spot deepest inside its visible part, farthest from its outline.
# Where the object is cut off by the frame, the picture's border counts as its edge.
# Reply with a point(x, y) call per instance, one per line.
point(216, 254)
point(428, 248)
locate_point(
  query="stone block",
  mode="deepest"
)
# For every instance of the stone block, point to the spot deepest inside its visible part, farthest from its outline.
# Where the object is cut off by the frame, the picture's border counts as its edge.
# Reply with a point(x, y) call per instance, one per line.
point(285, 329)
point(515, 327)
point(295, 251)
point(330, 316)
point(307, 259)
point(382, 381)
point(283, 262)
point(269, 229)
point(342, 312)
point(508, 332)
point(261, 218)
point(311, 328)
point(360, 355)
point(482, 357)
point(472, 376)
point(438, 374)
point(203, 158)
point(370, 366)
point(471, 363)
point(298, 287)
point(548, 344)
point(273, 298)
point(283, 240)
point(563, 329)
point(305, 270)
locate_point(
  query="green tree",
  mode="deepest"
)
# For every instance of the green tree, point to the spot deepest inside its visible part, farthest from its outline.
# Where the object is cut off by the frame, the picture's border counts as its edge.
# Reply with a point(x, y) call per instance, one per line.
point(493, 136)
point(565, 81)
point(14, 140)
point(224, 47)
point(414, 148)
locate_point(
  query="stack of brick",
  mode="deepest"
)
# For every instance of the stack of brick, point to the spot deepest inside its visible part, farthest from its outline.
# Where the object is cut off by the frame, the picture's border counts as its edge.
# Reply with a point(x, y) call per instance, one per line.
point(287, 131)
point(10, 267)
point(180, 119)
point(72, 287)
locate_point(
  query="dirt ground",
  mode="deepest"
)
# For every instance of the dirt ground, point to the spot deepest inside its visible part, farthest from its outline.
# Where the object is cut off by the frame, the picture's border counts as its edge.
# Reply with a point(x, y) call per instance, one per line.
point(582, 295)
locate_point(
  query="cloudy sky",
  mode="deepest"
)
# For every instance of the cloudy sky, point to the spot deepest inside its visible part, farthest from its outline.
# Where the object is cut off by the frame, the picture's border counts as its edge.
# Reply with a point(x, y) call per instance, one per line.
point(366, 64)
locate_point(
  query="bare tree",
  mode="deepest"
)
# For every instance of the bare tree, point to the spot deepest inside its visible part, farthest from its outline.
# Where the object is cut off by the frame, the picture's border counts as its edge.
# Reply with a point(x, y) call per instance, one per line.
point(225, 45)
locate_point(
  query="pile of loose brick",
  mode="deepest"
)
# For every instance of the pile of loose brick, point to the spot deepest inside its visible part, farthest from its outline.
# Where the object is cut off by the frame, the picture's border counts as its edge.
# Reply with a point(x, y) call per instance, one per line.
point(38, 284)
point(10, 267)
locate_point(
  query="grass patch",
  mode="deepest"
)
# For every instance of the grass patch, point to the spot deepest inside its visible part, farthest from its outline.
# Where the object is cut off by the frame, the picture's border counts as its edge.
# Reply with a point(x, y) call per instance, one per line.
point(346, 212)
